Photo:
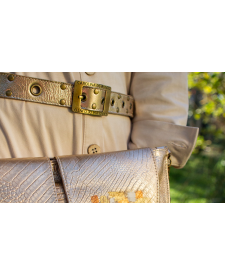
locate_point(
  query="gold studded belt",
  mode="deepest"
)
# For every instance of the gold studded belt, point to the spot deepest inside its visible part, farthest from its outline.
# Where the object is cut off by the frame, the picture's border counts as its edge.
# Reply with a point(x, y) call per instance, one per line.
point(83, 97)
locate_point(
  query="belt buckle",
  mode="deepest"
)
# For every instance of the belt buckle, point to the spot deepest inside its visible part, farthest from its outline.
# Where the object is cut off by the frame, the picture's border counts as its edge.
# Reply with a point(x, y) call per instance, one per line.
point(91, 98)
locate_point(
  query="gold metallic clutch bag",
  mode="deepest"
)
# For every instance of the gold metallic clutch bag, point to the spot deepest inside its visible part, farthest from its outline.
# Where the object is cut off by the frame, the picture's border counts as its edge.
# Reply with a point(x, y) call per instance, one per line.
point(133, 176)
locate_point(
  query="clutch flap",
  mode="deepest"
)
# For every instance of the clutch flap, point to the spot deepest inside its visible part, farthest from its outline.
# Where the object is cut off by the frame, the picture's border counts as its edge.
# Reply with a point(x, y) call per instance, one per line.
point(124, 176)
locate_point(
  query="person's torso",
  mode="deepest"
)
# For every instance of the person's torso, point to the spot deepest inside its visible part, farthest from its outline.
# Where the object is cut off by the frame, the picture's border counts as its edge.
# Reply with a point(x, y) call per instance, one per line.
point(33, 129)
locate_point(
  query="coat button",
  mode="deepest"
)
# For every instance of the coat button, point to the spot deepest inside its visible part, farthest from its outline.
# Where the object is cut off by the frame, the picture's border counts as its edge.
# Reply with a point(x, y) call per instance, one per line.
point(94, 149)
point(90, 73)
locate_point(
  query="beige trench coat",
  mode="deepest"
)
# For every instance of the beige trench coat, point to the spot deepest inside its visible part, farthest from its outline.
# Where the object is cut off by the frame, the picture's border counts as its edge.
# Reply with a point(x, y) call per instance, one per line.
point(161, 107)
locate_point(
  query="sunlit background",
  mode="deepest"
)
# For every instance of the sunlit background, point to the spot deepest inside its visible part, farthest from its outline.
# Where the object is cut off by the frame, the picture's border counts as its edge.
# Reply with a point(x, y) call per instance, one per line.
point(203, 177)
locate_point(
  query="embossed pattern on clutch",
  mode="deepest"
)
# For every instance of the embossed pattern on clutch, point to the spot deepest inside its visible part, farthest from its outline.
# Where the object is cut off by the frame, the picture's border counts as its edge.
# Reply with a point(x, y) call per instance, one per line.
point(133, 176)
point(28, 180)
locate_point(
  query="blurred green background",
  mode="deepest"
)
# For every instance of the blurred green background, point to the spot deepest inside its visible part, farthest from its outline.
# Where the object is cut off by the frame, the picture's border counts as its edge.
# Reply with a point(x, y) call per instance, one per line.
point(203, 177)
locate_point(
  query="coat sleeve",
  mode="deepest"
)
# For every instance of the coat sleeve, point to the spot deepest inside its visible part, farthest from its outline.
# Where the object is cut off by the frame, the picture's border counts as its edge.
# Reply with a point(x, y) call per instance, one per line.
point(160, 117)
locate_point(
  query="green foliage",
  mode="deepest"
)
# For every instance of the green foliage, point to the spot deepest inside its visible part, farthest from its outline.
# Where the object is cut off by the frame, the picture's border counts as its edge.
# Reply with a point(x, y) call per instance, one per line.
point(207, 108)
point(203, 178)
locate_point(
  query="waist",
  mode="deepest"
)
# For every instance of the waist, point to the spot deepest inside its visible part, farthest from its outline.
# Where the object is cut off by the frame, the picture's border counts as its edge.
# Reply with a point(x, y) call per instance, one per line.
point(82, 97)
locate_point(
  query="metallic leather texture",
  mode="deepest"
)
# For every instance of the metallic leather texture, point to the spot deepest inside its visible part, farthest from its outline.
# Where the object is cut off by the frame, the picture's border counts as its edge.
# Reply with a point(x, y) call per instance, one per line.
point(60, 94)
point(116, 176)
point(139, 176)
point(27, 181)
point(161, 160)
